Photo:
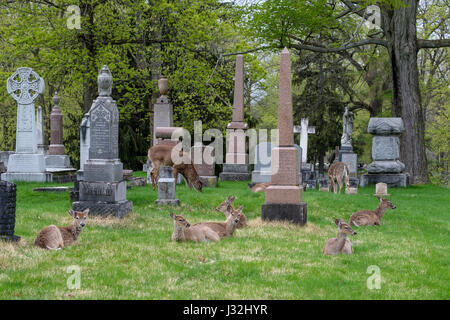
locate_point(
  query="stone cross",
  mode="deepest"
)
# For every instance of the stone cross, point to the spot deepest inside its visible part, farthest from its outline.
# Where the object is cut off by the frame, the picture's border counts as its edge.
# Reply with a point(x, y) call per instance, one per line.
point(304, 130)
point(25, 86)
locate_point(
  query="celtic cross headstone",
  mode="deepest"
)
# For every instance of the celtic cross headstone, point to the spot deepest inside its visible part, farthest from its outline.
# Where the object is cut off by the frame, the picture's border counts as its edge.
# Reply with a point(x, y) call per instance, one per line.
point(26, 164)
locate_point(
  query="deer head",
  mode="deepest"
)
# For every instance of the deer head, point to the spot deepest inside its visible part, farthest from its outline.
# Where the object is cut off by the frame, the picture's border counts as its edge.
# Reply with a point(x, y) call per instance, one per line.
point(179, 222)
point(235, 216)
point(79, 218)
point(226, 205)
point(344, 227)
point(385, 203)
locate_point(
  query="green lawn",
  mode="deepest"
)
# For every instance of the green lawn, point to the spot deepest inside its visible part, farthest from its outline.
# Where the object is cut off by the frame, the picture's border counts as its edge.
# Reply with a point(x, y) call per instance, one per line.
point(134, 258)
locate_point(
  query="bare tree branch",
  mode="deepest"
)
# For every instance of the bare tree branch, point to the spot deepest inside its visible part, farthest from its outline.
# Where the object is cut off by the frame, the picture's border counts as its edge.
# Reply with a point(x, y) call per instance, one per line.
point(438, 43)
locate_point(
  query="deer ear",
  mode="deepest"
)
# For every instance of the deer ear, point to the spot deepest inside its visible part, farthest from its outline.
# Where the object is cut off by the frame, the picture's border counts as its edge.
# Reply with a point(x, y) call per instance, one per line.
point(86, 212)
point(172, 215)
point(240, 208)
point(72, 213)
point(337, 222)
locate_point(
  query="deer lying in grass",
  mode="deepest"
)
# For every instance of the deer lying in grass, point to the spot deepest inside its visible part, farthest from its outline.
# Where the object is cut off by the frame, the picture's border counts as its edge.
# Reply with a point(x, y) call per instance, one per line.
point(371, 217)
point(161, 154)
point(183, 231)
point(227, 228)
point(55, 238)
point(336, 172)
point(226, 207)
point(340, 244)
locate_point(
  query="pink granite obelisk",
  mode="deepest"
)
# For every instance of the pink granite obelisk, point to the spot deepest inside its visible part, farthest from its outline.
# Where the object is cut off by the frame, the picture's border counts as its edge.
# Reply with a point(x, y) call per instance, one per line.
point(236, 165)
point(283, 197)
point(56, 129)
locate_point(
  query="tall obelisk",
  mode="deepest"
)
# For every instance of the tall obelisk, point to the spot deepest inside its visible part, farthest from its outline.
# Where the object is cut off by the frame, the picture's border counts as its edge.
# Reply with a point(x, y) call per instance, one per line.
point(283, 197)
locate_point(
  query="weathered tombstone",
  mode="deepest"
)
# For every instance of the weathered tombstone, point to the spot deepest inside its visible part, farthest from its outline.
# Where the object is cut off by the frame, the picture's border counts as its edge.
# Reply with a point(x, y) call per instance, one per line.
point(381, 190)
point(283, 196)
point(85, 138)
point(103, 189)
point(57, 162)
point(42, 147)
point(324, 184)
point(346, 153)
point(4, 157)
point(8, 211)
point(236, 166)
point(205, 164)
point(386, 166)
point(166, 187)
point(26, 164)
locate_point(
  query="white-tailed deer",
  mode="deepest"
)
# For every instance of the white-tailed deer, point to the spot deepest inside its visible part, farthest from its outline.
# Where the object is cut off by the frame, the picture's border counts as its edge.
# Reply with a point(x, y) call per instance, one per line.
point(161, 154)
point(226, 207)
point(227, 228)
point(336, 172)
point(371, 217)
point(54, 238)
point(183, 231)
point(340, 244)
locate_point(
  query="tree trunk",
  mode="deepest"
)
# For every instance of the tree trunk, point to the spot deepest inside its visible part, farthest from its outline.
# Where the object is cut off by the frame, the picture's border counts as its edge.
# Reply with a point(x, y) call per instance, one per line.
point(88, 40)
point(400, 29)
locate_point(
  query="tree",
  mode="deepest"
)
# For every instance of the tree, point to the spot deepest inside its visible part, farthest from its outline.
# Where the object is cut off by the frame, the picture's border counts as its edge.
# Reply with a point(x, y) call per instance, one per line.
point(291, 23)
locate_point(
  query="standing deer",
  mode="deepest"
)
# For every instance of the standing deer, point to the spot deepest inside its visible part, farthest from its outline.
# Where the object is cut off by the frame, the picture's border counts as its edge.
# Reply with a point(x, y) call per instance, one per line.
point(226, 207)
point(337, 172)
point(340, 244)
point(161, 154)
point(227, 228)
point(55, 238)
point(371, 217)
point(183, 231)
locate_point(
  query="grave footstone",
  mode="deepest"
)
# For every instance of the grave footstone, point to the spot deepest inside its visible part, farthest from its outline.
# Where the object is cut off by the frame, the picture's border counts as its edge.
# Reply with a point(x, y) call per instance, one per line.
point(103, 189)
point(236, 166)
point(26, 164)
point(8, 211)
point(166, 187)
point(283, 196)
point(386, 166)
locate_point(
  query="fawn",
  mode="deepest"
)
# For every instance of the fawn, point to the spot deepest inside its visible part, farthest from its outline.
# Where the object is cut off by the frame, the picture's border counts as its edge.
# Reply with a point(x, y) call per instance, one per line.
point(55, 238)
point(371, 217)
point(337, 172)
point(340, 244)
point(227, 228)
point(183, 231)
point(226, 207)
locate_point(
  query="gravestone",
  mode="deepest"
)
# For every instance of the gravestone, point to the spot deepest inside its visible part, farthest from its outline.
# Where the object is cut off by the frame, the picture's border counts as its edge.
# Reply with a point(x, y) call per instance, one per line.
point(163, 109)
point(236, 166)
point(346, 153)
point(57, 162)
point(42, 147)
point(166, 187)
point(103, 189)
point(381, 189)
point(4, 157)
point(386, 166)
point(283, 196)
point(324, 184)
point(26, 164)
point(85, 137)
point(204, 161)
point(306, 171)
point(8, 211)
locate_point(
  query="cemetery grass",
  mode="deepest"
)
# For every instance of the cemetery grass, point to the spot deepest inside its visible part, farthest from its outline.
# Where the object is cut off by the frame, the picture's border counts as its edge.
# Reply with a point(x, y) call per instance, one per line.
point(134, 258)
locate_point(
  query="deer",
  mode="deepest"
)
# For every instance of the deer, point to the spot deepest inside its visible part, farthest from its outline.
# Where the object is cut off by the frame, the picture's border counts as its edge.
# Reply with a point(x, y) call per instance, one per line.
point(161, 154)
point(336, 172)
point(56, 238)
point(226, 207)
point(340, 244)
point(371, 217)
point(227, 228)
point(183, 231)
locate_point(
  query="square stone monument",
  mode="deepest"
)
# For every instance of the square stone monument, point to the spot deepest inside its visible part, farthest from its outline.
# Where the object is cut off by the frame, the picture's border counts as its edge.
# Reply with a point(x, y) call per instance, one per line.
point(166, 187)
point(386, 166)
point(26, 164)
point(283, 196)
point(236, 166)
point(103, 189)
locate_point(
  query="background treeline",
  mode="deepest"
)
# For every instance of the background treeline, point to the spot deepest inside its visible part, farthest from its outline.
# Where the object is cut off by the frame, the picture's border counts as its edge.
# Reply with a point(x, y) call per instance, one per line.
point(193, 43)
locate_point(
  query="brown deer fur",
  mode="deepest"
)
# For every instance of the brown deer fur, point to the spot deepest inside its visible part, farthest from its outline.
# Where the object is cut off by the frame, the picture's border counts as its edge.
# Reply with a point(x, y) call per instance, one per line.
point(336, 172)
point(161, 154)
point(227, 228)
point(53, 237)
point(340, 244)
point(371, 217)
point(183, 231)
point(226, 207)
